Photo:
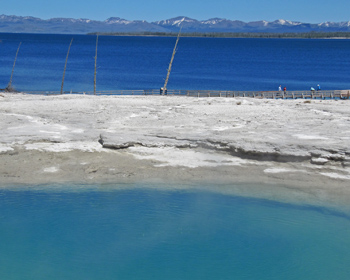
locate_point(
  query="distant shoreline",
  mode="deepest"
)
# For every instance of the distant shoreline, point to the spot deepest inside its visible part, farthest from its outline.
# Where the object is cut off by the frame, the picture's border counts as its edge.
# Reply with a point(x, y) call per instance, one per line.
point(263, 35)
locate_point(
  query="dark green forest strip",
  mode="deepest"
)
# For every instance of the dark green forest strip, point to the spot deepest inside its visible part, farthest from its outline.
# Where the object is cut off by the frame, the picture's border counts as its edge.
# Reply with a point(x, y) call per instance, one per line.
point(304, 35)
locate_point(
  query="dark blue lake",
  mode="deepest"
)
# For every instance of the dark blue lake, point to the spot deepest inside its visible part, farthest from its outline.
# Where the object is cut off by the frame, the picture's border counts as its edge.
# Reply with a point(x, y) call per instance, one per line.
point(200, 63)
point(139, 233)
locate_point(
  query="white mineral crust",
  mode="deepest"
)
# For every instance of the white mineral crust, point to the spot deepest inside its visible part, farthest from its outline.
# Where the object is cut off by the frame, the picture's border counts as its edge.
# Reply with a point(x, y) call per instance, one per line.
point(174, 137)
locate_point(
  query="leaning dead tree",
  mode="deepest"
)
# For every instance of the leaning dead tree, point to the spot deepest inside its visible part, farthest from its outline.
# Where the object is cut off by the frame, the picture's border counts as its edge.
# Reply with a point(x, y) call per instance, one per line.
point(65, 66)
point(95, 66)
point(9, 86)
point(164, 89)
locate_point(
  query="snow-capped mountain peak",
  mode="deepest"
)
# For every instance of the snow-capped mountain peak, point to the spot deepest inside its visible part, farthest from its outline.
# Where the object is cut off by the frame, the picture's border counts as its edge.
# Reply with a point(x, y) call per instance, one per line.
point(116, 20)
point(285, 22)
point(175, 21)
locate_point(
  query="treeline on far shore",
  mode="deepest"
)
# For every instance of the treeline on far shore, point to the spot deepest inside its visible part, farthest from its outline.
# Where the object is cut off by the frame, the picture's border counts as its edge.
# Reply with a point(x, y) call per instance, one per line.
point(303, 35)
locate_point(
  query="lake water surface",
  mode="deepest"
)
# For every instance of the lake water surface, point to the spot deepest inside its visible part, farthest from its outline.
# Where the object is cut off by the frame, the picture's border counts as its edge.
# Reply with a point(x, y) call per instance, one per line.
point(141, 233)
point(128, 62)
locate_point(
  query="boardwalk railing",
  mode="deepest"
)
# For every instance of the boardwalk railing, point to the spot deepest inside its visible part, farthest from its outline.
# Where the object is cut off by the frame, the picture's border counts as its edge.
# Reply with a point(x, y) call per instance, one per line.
point(322, 94)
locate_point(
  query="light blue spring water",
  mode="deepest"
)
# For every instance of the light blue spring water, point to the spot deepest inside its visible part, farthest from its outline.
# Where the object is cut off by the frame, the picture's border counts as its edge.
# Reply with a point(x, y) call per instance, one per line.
point(139, 233)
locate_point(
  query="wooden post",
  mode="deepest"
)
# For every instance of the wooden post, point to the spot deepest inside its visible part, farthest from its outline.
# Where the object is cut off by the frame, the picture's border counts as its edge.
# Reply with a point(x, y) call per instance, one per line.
point(9, 86)
point(95, 66)
point(171, 62)
point(65, 66)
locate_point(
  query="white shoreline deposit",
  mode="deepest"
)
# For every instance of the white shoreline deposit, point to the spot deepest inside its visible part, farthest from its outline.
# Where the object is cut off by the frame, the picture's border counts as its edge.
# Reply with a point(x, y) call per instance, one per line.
point(301, 145)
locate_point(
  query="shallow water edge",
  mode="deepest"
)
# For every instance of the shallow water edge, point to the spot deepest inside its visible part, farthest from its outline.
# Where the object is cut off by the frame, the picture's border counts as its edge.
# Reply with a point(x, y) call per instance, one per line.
point(271, 193)
point(138, 232)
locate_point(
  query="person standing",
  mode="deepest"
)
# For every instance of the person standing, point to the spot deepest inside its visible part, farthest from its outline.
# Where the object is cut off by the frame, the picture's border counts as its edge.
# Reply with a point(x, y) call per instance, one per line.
point(318, 87)
point(280, 88)
point(284, 90)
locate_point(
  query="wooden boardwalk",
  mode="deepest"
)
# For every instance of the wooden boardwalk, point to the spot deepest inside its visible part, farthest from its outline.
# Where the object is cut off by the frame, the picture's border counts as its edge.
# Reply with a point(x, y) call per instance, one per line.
point(322, 94)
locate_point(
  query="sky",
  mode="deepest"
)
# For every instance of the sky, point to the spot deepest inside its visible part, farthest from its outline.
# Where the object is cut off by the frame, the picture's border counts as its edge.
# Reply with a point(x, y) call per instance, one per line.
point(308, 11)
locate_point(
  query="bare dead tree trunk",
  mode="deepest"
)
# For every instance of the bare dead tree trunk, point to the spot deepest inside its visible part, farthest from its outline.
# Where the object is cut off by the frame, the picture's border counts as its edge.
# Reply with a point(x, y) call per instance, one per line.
point(65, 66)
point(171, 63)
point(9, 86)
point(95, 66)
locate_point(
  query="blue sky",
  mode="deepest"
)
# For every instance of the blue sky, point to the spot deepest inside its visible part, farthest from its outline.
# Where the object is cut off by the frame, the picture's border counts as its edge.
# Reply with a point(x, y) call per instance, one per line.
point(311, 11)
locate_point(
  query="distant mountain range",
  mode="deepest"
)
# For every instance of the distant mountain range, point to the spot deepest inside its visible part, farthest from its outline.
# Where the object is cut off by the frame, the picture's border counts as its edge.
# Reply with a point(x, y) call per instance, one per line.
point(18, 24)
